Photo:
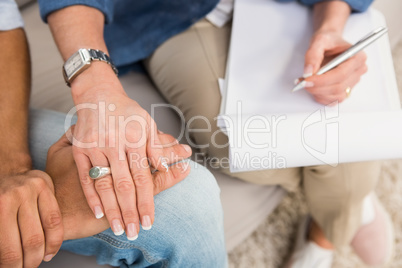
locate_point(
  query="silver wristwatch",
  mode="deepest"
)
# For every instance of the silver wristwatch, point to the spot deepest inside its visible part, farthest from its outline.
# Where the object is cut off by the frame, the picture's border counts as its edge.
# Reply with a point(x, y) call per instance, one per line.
point(81, 60)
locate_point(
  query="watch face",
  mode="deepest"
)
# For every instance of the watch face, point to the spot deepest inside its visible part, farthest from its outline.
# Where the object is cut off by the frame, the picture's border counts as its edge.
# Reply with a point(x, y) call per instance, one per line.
point(73, 64)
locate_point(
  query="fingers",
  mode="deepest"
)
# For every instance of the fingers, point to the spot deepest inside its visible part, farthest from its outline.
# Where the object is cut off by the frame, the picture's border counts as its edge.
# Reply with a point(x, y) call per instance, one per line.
point(331, 86)
point(337, 92)
point(339, 73)
point(52, 224)
point(144, 186)
point(87, 184)
point(313, 58)
point(104, 186)
point(172, 150)
point(105, 190)
point(63, 142)
point(32, 236)
point(176, 173)
point(10, 243)
point(322, 46)
point(67, 138)
point(155, 150)
point(126, 196)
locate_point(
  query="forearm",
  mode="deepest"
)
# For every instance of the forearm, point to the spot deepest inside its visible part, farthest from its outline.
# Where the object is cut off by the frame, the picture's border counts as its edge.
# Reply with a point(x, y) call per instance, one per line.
point(78, 27)
point(330, 16)
point(15, 83)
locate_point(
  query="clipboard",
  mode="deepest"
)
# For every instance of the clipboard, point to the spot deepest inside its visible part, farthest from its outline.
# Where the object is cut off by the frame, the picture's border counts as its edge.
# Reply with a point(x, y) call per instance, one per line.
point(268, 43)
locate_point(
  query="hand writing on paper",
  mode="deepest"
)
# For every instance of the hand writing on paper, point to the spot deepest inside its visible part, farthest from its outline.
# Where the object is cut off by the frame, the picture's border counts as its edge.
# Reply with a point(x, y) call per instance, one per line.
point(336, 84)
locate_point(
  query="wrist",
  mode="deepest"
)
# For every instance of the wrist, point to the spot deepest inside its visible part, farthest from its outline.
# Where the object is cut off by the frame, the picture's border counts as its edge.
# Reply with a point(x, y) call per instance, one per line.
point(16, 163)
point(81, 223)
point(331, 16)
point(97, 78)
point(329, 29)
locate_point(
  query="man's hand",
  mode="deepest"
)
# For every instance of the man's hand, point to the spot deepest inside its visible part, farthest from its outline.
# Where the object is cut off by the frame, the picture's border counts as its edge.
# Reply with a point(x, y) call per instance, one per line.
point(78, 218)
point(31, 228)
point(30, 221)
point(326, 43)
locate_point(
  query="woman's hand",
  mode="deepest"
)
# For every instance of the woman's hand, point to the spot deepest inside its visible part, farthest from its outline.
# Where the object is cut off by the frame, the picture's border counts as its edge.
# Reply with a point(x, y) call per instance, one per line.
point(78, 219)
point(336, 84)
point(114, 131)
point(329, 18)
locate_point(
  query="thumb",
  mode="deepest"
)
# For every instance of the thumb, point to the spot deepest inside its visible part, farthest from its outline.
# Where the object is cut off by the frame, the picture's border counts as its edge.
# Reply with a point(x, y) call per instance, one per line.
point(164, 180)
point(63, 142)
point(66, 139)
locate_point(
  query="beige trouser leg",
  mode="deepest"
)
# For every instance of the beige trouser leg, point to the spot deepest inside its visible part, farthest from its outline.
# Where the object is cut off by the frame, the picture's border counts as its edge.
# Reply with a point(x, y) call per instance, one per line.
point(186, 69)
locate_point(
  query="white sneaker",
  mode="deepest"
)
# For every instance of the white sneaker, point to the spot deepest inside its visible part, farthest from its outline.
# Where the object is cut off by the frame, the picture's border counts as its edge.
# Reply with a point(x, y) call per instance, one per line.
point(308, 254)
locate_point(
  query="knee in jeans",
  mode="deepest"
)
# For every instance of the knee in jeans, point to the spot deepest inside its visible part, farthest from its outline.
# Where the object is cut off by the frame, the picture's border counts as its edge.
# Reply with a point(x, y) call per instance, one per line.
point(203, 195)
point(201, 225)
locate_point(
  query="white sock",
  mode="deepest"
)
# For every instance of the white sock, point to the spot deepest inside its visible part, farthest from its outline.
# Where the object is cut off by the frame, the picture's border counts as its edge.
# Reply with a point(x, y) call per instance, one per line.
point(368, 213)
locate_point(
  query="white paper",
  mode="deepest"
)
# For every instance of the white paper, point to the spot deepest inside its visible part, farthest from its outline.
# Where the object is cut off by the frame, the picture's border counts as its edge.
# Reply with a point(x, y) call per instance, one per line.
point(268, 44)
point(302, 139)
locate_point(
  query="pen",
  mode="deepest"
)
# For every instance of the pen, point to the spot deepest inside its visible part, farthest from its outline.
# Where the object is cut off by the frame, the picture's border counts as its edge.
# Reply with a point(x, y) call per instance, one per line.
point(350, 52)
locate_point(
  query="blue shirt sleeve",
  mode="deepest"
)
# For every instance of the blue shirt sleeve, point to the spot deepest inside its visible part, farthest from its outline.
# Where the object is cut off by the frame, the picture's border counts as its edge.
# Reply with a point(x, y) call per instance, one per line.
point(10, 17)
point(355, 5)
point(48, 6)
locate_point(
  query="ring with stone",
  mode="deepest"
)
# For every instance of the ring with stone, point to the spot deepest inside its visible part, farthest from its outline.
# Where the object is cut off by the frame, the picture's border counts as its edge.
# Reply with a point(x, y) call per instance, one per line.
point(99, 172)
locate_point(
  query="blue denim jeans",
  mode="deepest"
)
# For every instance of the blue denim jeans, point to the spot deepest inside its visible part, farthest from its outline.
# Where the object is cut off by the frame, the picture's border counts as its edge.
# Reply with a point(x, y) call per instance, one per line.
point(188, 227)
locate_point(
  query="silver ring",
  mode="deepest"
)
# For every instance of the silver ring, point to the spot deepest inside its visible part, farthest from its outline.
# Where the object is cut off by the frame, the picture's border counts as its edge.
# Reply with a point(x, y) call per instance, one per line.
point(99, 172)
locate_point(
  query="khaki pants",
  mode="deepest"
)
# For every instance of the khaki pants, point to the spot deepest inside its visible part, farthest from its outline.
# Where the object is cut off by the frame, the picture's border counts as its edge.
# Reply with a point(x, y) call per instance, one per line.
point(186, 68)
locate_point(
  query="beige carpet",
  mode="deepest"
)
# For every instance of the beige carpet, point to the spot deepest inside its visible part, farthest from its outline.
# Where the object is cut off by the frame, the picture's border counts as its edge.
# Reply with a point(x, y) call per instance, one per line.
point(270, 245)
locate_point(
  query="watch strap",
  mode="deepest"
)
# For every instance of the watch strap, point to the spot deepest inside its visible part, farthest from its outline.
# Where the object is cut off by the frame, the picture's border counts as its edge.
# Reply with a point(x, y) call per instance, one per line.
point(96, 54)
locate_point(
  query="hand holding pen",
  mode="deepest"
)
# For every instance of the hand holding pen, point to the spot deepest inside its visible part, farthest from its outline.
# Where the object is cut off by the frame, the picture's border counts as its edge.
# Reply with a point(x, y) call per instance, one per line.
point(340, 72)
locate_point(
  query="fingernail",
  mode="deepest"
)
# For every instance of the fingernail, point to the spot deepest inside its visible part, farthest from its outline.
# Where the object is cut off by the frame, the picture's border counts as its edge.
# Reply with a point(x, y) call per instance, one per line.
point(297, 80)
point(132, 233)
point(117, 228)
point(48, 257)
point(308, 71)
point(165, 165)
point(146, 223)
point(187, 148)
point(308, 84)
point(303, 84)
point(98, 212)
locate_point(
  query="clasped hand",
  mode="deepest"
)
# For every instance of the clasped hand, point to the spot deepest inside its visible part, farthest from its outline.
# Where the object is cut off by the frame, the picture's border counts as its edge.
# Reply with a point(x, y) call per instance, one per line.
point(31, 228)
